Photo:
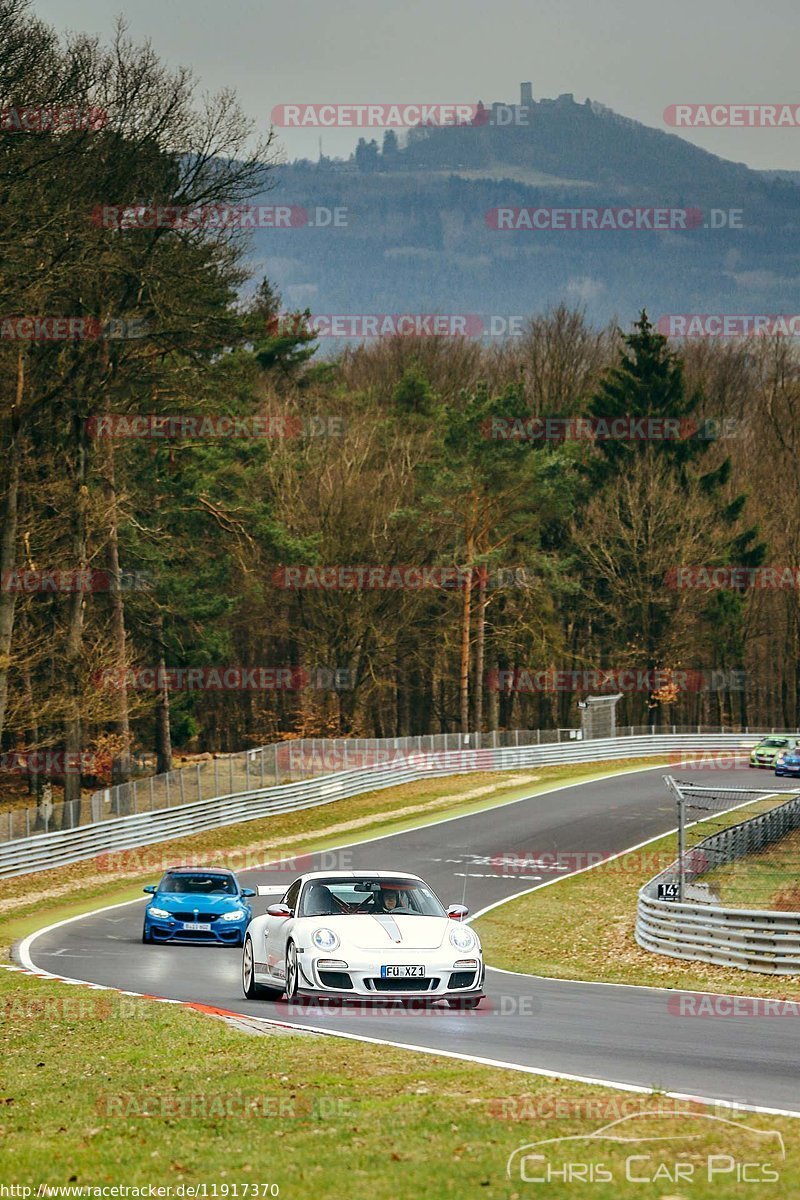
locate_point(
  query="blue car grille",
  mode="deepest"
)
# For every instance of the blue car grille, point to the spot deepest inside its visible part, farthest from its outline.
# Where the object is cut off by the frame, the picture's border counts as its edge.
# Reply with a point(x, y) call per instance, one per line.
point(191, 915)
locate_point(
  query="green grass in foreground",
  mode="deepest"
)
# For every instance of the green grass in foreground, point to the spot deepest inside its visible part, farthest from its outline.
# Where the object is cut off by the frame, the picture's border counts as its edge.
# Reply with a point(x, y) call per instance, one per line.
point(582, 928)
point(105, 1090)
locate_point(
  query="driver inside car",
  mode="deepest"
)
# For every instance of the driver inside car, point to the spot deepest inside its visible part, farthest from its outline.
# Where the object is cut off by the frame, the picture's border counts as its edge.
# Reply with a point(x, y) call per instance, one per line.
point(388, 899)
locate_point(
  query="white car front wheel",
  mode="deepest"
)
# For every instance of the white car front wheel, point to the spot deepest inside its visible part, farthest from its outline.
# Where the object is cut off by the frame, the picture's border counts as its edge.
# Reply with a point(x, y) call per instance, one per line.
point(291, 972)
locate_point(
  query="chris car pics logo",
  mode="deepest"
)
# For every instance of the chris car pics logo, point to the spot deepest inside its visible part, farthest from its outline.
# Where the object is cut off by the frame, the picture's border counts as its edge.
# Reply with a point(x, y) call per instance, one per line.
point(625, 1151)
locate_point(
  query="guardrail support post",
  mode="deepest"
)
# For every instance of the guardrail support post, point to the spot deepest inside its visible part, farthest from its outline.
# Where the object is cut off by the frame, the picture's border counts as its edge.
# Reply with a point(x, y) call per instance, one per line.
point(676, 791)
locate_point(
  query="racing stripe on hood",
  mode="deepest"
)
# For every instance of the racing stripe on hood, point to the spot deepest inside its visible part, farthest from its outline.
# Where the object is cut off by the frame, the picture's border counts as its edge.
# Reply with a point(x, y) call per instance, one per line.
point(387, 922)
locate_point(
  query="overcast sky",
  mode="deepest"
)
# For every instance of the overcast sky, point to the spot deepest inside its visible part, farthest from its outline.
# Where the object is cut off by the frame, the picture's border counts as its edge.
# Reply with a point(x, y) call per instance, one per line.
point(638, 58)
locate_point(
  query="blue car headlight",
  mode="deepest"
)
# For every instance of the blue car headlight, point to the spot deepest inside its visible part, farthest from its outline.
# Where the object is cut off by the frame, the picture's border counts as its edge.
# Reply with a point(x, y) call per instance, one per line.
point(236, 914)
point(160, 914)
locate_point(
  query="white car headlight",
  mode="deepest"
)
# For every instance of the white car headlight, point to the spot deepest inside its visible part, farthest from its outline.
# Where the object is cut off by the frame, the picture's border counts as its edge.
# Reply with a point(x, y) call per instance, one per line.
point(236, 914)
point(462, 937)
point(160, 913)
point(325, 939)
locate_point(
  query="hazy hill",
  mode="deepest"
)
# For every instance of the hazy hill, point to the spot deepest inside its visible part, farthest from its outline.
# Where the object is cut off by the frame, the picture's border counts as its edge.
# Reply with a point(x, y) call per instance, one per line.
point(417, 238)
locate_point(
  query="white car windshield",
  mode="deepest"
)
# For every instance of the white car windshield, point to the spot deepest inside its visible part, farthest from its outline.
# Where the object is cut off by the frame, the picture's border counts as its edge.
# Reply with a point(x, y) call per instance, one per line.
point(352, 897)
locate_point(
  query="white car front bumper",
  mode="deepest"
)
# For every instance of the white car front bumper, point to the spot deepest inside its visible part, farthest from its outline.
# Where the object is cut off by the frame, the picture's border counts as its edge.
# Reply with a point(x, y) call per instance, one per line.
point(357, 977)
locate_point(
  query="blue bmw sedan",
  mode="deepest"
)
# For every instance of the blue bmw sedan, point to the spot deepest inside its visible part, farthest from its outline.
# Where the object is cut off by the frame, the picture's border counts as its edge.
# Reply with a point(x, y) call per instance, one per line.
point(191, 905)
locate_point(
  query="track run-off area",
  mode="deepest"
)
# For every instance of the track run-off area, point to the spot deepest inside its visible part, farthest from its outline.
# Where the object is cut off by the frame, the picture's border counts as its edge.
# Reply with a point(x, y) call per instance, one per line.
point(623, 1036)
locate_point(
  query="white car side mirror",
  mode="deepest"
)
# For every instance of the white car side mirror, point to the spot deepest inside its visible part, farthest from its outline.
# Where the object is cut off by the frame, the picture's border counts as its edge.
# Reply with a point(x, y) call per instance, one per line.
point(458, 912)
point(279, 910)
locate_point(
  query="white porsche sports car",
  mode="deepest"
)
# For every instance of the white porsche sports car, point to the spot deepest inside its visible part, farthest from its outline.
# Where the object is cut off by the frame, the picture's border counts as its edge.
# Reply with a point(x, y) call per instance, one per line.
point(363, 935)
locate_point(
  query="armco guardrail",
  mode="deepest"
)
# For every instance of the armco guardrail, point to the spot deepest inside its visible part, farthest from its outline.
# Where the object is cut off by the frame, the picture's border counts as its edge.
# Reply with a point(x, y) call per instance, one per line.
point(269, 766)
point(142, 829)
point(260, 767)
point(752, 940)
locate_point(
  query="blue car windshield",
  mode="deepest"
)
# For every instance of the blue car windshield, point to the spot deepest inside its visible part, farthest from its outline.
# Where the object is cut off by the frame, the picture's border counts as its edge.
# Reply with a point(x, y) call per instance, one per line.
point(224, 885)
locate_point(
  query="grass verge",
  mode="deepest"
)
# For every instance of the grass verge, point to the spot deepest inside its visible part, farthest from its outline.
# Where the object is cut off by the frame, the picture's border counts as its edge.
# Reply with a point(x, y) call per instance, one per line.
point(595, 940)
point(105, 1090)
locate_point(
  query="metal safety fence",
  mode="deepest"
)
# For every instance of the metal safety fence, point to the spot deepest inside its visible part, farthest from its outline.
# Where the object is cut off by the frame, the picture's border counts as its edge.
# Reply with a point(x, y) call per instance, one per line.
point(697, 926)
point(396, 764)
point(276, 764)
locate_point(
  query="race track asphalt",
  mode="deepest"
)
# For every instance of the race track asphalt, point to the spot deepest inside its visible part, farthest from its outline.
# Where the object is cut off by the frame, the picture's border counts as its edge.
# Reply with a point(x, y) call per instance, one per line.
point(625, 1035)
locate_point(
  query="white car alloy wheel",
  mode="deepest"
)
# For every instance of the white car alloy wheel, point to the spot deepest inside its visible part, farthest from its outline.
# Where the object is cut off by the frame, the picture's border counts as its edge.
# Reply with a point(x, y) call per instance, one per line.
point(247, 967)
point(251, 989)
point(291, 972)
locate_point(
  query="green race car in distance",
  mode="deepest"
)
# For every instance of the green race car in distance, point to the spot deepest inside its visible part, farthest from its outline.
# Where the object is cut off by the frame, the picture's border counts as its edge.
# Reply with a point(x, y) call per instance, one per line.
point(768, 749)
